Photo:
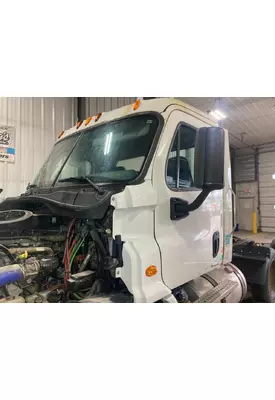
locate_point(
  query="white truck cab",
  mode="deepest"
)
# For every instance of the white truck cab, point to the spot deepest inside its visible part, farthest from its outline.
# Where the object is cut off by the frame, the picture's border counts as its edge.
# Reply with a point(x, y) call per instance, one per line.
point(182, 245)
point(159, 171)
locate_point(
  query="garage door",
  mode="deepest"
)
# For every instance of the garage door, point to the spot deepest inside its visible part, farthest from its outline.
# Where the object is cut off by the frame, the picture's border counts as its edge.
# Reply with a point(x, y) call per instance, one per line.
point(244, 169)
point(267, 191)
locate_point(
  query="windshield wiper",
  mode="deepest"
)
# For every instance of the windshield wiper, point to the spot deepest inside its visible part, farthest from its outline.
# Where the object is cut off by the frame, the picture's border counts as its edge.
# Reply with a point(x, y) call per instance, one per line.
point(31, 186)
point(83, 179)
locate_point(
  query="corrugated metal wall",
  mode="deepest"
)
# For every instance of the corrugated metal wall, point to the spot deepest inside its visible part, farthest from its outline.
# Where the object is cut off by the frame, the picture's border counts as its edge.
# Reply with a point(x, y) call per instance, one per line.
point(267, 191)
point(38, 122)
point(95, 105)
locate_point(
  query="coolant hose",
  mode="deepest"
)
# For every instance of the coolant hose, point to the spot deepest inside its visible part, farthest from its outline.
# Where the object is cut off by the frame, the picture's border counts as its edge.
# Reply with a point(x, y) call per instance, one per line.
point(7, 277)
point(15, 272)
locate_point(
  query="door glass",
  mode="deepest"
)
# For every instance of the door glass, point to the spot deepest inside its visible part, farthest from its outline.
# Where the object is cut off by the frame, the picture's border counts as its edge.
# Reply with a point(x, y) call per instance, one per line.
point(180, 165)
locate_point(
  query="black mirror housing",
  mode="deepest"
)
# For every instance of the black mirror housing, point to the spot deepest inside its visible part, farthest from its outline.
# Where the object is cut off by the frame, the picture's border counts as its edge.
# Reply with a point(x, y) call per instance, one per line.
point(209, 158)
point(208, 171)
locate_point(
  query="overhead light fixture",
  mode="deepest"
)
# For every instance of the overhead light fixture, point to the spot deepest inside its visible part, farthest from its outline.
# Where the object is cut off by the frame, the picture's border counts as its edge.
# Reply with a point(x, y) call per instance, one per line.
point(273, 176)
point(217, 114)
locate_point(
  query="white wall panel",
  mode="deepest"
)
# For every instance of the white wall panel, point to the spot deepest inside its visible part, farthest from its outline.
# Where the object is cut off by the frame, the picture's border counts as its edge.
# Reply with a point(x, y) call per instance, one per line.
point(38, 121)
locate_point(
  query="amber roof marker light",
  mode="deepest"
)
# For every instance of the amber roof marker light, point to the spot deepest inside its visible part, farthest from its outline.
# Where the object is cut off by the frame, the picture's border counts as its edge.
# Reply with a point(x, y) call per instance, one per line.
point(98, 116)
point(79, 123)
point(136, 105)
point(88, 120)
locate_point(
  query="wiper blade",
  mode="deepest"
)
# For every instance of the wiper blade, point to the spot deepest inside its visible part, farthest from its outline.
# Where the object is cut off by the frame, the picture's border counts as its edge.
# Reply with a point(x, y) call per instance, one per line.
point(83, 179)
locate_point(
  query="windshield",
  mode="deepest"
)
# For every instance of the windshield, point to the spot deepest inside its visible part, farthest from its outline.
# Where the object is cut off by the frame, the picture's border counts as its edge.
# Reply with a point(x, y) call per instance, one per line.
point(111, 152)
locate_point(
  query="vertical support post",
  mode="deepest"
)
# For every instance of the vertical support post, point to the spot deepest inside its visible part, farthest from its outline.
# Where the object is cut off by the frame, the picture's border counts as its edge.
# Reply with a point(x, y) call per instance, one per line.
point(257, 177)
point(219, 106)
point(81, 108)
point(254, 223)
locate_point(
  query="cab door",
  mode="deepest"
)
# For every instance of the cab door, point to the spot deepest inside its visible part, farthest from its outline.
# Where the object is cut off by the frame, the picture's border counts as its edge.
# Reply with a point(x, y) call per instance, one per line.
point(190, 246)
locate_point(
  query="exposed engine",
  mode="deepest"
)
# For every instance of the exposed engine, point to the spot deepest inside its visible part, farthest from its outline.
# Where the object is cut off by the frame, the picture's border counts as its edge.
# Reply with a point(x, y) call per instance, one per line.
point(47, 258)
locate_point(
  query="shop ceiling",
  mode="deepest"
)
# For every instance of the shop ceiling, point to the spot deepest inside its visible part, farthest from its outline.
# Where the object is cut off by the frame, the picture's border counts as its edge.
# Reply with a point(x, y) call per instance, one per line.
point(250, 120)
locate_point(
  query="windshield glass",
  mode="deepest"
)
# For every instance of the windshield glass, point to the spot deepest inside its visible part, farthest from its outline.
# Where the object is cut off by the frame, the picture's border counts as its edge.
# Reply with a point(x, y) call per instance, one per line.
point(111, 152)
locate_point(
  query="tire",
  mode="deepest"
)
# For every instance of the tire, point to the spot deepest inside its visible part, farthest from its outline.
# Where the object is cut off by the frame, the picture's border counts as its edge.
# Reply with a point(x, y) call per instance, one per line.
point(272, 244)
point(265, 293)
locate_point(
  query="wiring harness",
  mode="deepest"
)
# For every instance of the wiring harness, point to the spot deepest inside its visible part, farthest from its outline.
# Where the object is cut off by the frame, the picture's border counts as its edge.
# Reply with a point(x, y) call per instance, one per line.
point(74, 242)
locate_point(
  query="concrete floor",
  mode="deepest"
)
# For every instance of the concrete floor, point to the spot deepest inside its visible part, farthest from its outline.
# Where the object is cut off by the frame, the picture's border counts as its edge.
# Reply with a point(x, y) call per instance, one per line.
point(259, 237)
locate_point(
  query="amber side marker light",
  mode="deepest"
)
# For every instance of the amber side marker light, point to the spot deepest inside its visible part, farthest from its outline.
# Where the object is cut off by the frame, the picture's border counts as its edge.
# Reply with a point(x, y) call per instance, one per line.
point(98, 116)
point(151, 271)
point(61, 134)
point(136, 105)
point(88, 120)
point(78, 124)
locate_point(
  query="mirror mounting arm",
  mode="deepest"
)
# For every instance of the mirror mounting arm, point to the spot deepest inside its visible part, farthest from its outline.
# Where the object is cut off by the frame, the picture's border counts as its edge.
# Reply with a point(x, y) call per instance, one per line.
point(180, 209)
point(199, 200)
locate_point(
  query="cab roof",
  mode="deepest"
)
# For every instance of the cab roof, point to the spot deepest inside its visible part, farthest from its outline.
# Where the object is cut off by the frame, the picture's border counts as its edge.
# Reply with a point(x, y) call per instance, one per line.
point(159, 105)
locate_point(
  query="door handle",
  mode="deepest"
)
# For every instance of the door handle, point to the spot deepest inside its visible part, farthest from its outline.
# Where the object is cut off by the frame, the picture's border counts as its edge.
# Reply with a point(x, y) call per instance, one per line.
point(234, 202)
point(216, 244)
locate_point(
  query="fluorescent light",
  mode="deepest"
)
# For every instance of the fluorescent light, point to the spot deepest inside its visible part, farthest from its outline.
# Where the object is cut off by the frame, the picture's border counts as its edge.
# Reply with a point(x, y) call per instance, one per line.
point(213, 114)
point(273, 176)
point(108, 143)
point(218, 115)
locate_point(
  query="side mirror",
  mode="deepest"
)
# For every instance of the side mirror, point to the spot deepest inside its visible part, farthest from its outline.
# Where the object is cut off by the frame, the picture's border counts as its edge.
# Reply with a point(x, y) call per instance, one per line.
point(209, 159)
point(208, 171)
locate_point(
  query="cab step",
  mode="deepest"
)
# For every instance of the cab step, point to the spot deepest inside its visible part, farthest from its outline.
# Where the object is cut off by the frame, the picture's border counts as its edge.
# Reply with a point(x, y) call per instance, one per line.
point(218, 293)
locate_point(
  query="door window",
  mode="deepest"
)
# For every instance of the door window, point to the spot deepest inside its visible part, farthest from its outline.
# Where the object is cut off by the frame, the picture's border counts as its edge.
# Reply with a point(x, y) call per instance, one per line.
point(180, 163)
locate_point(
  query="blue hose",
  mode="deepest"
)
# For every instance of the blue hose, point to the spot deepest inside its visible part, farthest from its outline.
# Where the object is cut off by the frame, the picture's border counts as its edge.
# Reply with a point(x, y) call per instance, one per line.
point(10, 277)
